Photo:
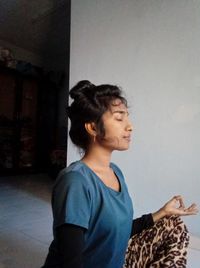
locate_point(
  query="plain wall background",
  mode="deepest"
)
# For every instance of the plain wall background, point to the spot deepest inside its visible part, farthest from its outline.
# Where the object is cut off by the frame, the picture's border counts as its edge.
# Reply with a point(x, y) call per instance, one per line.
point(152, 49)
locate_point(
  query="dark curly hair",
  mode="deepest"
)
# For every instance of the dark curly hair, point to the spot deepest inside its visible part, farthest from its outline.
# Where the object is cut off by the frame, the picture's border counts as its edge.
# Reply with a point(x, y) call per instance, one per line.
point(90, 102)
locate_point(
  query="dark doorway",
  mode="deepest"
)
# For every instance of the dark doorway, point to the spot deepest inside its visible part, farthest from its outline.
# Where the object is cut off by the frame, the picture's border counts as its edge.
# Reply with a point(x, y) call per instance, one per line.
point(34, 83)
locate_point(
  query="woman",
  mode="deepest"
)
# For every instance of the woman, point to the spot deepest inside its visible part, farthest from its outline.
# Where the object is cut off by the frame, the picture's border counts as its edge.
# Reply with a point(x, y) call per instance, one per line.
point(92, 209)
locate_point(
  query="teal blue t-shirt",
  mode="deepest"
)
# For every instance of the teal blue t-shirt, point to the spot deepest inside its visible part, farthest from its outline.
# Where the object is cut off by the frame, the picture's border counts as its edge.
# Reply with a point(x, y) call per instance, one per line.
point(81, 198)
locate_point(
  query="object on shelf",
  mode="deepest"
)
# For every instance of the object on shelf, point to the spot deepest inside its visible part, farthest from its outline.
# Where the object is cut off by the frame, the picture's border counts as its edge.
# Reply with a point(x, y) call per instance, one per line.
point(7, 58)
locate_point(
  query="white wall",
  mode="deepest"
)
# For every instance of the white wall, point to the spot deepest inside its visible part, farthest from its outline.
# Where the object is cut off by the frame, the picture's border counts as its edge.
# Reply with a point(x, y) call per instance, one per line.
point(152, 49)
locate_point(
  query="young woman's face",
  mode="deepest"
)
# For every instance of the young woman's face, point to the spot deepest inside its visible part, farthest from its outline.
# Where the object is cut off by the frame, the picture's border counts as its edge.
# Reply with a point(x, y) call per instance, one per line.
point(117, 127)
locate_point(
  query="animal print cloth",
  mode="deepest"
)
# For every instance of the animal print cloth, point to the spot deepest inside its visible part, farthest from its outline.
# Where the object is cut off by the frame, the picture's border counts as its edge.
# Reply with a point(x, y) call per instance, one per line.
point(162, 246)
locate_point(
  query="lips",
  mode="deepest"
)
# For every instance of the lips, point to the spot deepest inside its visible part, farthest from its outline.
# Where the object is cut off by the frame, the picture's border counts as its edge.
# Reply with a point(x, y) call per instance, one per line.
point(128, 138)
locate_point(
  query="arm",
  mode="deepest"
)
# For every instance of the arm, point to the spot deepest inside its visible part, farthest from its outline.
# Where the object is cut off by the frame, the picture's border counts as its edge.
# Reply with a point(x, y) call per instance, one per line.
point(71, 243)
point(174, 206)
point(141, 223)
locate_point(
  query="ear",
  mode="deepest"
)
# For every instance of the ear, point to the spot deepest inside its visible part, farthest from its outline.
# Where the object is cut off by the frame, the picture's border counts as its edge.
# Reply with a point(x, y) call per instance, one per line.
point(91, 128)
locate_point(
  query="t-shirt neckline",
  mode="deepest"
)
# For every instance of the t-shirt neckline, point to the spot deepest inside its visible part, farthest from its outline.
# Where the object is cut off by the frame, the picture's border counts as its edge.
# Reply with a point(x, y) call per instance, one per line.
point(100, 180)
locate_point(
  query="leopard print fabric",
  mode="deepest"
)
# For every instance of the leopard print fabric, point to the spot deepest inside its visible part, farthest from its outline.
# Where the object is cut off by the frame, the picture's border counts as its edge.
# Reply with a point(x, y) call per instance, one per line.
point(163, 245)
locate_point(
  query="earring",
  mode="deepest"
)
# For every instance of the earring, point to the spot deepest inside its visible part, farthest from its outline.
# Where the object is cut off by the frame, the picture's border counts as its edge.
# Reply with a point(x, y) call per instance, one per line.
point(94, 138)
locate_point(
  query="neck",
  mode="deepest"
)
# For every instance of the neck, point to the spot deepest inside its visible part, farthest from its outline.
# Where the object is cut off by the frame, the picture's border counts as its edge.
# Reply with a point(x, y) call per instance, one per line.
point(97, 157)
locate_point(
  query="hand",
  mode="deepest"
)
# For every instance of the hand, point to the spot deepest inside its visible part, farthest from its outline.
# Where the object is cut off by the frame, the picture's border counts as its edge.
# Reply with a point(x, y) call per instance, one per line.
point(175, 206)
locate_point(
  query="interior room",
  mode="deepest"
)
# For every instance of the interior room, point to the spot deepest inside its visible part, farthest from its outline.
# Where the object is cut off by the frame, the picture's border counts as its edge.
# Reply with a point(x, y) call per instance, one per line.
point(34, 80)
point(34, 43)
point(151, 49)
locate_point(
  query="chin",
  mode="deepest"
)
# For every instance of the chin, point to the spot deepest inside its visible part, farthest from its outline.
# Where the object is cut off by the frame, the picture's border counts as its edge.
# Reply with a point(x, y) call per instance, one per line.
point(123, 148)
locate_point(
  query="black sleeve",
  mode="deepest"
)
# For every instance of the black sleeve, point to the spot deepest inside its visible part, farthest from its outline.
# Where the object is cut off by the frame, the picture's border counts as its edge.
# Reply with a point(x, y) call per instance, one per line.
point(70, 245)
point(141, 223)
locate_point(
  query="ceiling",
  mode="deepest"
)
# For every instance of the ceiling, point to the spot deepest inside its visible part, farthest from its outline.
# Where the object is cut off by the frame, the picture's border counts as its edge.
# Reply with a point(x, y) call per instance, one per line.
point(34, 25)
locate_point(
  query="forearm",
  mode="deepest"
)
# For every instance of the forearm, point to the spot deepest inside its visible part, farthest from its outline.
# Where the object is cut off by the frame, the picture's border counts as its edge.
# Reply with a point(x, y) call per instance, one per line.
point(141, 223)
point(71, 244)
point(158, 215)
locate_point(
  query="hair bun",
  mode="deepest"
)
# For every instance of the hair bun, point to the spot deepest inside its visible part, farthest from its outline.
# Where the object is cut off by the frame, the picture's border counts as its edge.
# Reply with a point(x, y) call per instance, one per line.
point(80, 88)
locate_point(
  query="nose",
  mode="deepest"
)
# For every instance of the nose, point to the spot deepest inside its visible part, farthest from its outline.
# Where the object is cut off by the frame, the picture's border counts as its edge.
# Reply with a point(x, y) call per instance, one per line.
point(129, 126)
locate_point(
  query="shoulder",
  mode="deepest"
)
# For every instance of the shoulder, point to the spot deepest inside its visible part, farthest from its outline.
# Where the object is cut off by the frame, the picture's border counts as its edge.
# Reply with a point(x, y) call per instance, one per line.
point(74, 174)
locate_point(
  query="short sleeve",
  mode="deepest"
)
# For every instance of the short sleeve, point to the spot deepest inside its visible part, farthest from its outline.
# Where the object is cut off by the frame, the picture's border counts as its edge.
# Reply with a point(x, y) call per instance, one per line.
point(71, 200)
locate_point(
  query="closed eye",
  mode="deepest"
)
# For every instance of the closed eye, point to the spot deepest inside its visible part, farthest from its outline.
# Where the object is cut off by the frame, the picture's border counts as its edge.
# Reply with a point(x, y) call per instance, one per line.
point(121, 112)
point(120, 115)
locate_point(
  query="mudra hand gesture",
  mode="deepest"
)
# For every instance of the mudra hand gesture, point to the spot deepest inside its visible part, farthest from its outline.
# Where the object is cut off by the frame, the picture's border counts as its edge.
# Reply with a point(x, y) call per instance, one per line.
point(175, 206)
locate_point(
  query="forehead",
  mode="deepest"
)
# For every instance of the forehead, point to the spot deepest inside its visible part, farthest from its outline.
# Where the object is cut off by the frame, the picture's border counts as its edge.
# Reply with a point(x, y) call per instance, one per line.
point(118, 105)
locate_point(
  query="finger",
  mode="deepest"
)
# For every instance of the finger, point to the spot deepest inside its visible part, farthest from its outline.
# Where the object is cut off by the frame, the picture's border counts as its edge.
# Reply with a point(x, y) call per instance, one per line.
point(180, 200)
point(186, 213)
point(192, 208)
point(191, 211)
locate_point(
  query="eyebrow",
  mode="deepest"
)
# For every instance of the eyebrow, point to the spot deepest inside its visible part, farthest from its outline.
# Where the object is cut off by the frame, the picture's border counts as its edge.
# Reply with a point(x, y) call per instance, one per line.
point(121, 112)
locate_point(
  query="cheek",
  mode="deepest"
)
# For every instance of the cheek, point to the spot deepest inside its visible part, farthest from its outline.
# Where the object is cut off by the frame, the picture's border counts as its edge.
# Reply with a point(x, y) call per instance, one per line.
point(111, 138)
point(112, 133)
